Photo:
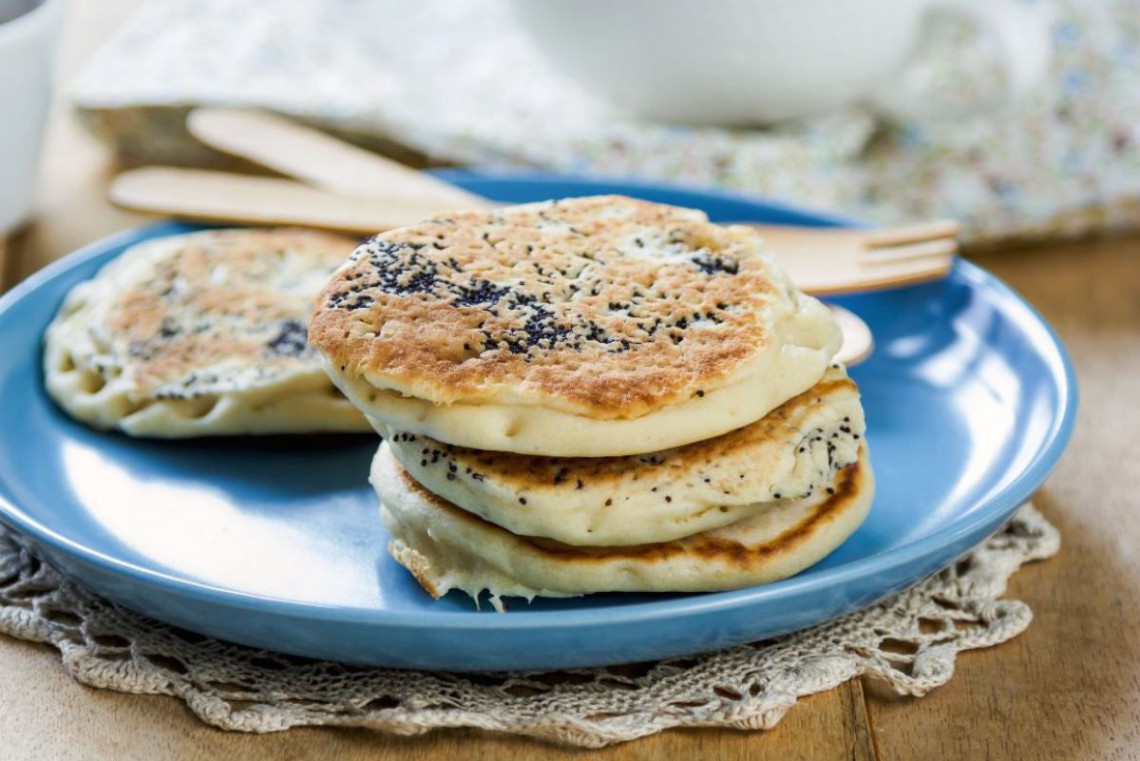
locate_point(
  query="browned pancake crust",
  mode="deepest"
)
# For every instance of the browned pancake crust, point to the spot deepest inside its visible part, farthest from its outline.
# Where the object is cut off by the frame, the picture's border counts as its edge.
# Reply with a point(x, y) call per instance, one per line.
point(168, 332)
point(848, 484)
point(526, 474)
point(612, 306)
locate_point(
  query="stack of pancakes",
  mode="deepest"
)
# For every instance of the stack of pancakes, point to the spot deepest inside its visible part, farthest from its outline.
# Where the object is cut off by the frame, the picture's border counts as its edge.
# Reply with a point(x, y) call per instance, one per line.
point(595, 394)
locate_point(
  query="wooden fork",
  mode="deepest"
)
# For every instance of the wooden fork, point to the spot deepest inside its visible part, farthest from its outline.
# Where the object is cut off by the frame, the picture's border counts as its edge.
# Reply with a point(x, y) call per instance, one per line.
point(218, 196)
point(821, 261)
point(353, 190)
point(828, 262)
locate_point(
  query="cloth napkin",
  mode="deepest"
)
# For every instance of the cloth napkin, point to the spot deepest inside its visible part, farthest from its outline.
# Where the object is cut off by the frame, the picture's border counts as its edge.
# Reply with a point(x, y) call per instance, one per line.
point(458, 82)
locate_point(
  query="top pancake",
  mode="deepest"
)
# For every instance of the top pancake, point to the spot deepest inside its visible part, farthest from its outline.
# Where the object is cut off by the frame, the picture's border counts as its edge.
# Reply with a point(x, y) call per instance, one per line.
point(600, 309)
point(201, 334)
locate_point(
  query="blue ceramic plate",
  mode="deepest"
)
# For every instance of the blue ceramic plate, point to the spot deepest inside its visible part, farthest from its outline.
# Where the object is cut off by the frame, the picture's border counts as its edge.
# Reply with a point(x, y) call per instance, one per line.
point(277, 542)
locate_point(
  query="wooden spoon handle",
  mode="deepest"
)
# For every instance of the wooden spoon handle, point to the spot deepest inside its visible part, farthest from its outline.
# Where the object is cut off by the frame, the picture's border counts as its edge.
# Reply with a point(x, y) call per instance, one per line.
point(224, 197)
point(243, 199)
point(858, 342)
point(319, 159)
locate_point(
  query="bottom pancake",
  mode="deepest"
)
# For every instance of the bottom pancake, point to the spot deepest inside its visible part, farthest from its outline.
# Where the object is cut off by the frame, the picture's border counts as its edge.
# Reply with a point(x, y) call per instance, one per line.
point(447, 548)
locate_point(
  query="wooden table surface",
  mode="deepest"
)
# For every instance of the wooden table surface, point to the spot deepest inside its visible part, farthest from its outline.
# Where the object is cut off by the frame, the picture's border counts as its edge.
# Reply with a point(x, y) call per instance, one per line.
point(1069, 688)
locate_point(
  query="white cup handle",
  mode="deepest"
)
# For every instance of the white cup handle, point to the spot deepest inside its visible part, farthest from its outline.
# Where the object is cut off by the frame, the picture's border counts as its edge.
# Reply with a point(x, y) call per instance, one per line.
point(1022, 33)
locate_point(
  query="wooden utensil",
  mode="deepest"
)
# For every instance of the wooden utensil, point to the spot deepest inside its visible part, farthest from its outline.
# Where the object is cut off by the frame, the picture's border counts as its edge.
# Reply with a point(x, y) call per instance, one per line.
point(224, 197)
point(830, 262)
point(858, 341)
point(245, 199)
point(354, 190)
point(821, 261)
point(319, 159)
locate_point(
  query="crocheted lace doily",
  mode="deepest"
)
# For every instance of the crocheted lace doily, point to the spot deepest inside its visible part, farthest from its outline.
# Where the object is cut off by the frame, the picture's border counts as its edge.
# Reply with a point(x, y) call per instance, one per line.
point(909, 642)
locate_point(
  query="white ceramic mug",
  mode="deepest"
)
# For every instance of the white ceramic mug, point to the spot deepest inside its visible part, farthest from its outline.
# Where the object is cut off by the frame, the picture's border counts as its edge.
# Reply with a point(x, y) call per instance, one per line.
point(29, 31)
point(747, 62)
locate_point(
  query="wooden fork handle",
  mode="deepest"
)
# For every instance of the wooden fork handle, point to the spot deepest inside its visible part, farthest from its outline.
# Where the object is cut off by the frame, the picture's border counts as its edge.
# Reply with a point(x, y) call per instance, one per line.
point(324, 161)
point(223, 197)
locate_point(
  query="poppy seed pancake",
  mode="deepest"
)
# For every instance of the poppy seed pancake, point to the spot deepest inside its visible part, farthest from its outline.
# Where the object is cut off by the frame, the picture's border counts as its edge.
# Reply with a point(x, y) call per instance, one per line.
point(594, 326)
point(200, 334)
point(792, 452)
point(445, 547)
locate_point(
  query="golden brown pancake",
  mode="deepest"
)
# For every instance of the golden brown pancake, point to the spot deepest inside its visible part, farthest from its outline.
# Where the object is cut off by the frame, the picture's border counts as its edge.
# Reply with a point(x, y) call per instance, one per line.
point(584, 327)
point(446, 547)
point(789, 453)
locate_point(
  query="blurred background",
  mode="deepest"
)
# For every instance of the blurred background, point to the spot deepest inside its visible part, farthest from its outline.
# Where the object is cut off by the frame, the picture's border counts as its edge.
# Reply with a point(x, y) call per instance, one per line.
point(1017, 117)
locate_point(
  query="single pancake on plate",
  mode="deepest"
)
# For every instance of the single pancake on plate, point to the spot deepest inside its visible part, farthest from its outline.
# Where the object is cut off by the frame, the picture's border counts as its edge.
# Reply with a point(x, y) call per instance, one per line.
point(587, 327)
point(792, 452)
point(446, 547)
point(201, 334)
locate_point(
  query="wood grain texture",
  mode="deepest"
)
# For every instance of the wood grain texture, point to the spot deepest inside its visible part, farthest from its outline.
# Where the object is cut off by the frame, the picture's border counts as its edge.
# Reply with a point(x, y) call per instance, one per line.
point(46, 715)
point(1069, 688)
point(6, 265)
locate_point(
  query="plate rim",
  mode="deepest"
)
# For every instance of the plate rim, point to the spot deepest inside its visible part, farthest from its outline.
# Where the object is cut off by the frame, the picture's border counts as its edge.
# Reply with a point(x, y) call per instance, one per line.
point(991, 511)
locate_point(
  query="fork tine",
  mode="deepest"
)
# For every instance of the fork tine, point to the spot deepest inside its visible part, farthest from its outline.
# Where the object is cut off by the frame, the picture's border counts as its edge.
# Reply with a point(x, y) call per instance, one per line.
point(941, 228)
point(921, 250)
point(893, 275)
point(908, 270)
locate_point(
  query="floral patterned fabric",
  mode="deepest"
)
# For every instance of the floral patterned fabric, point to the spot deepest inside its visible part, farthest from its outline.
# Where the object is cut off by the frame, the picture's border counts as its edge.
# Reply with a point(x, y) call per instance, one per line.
point(455, 80)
